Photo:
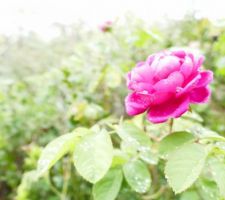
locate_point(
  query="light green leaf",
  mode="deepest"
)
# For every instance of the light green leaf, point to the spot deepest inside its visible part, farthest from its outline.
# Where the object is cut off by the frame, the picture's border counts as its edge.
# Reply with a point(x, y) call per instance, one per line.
point(119, 158)
point(148, 156)
point(204, 133)
point(219, 147)
point(137, 176)
point(93, 155)
point(54, 151)
point(184, 166)
point(173, 141)
point(129, 148)
point(132, 134)
point(190, 195)
point(108, 187)
point(26, 184)
point(218, 171)
point(193, 116)
point(145, 153)
point(207, 189)
point(138, 121)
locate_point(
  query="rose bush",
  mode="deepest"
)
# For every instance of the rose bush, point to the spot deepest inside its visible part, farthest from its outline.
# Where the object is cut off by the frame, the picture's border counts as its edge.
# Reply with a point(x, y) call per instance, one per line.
point(71, 117)
point(166, 84)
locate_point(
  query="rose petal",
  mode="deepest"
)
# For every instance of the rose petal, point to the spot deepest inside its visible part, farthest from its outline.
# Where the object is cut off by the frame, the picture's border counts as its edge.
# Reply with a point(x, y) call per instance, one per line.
point(137, 85)
point(199, 95)
point(171, 109)
point(170, 84)
point(206, 78)
point(136, 103)
point(187, 88)
point(186, 67)
point(166, 88)
point(139, 64)
point(150, 59)
point(179, 53)
point(128, 78)
point(142, 73)
point(197, 61)
point(166, 66)
point(160, 97)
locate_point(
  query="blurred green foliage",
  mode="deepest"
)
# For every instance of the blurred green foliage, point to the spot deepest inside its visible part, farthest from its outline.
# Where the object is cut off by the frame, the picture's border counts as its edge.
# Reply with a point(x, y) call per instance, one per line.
point(48, 88)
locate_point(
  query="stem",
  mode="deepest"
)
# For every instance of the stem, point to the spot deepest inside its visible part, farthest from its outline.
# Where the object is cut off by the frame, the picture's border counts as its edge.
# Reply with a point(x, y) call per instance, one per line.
point(111, 132)
point(66, 176)
point(156, 195)
point(144, 124)
point(111, 126)
point(52, 187)
point(170, 125)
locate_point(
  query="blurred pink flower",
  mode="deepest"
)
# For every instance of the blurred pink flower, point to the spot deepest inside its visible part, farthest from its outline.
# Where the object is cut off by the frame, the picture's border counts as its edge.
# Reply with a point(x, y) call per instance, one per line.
point(106, 26)
point(166, 84)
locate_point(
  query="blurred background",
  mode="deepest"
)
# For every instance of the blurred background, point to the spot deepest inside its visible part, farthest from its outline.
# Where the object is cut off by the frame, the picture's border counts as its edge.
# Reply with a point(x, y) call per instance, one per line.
point(62, 65)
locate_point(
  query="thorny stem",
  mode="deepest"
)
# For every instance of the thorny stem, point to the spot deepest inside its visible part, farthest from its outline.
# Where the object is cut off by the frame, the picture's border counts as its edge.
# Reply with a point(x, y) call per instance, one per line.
point(156, 195)
point(170, 125)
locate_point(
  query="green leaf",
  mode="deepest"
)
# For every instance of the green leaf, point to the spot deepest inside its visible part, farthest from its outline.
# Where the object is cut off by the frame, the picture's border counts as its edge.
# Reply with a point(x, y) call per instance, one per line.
point(137, 176)
point(145, 153)
point(129, 148)
point(119, 158)
point(184, 166)
point(108, 187)
point(54, 151)
point(26, 184)
point(219, 147)
point(218, 171)
point(148, 156)
point(207, 189)
point(132, 134)
point(193, 116)
point(204, 133)
point(190, 195)
point(93, 155)
point(173, 141)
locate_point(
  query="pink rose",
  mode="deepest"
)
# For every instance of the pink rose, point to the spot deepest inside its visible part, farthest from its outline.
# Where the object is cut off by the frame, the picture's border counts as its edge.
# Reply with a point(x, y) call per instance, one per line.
point(166, 84)
point(106, 26)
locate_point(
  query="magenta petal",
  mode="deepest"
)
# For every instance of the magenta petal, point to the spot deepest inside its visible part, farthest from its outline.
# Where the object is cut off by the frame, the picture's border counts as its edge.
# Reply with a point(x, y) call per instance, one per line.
point(150, 59)
point(197, 61)
point(179, 53)
point(170, 84)
point(189, 86)
point(160, 97)
point(136, 103)
point(166, 88)
point(200, 95)
point(138, 86)
point(129, 83)
point(166, 66)
point(200, 60)
point(139, 64)
point(206, 78)
point(171, 109)
point(142, 73)
point(187, 67)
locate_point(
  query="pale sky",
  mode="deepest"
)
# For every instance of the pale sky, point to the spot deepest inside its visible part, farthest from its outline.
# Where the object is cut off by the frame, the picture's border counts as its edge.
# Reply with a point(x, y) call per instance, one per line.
point(39, 15)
